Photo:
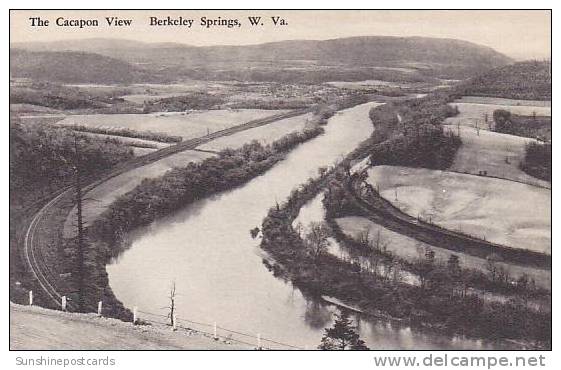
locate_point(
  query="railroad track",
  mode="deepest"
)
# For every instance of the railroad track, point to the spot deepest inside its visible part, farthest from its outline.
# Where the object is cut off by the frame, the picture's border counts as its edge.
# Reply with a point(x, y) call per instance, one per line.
point(386, 214)
point(31, 248)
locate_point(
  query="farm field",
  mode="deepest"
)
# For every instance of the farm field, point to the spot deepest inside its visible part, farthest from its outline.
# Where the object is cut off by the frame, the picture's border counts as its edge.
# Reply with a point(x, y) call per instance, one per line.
point(503, 212)
point(264, 134)
point(411, 249)
point(504, 101)
point(146, 92)
point(489, 151)
point(474, 113)
point(367, 84)
point(32, 109)
point(107, 192)
point(141, 98)
point(187, 125)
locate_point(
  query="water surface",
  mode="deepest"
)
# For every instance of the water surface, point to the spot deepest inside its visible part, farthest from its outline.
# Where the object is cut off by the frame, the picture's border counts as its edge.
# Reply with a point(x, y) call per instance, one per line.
point(207, 250)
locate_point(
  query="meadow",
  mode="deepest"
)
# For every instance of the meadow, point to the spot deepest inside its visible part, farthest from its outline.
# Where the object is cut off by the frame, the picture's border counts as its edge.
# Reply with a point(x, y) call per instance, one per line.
point(187, 125)
point(503, 212)
point(498, 154)
point(264, 134)
point(106, 193)
point(479, 110)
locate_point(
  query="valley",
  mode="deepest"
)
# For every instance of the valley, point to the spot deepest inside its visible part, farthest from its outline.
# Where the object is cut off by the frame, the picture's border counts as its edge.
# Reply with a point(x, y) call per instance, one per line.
point(366, 170)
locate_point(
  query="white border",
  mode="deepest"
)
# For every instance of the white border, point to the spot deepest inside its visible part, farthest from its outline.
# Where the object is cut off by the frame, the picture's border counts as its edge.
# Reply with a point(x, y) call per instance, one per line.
point(254, 360)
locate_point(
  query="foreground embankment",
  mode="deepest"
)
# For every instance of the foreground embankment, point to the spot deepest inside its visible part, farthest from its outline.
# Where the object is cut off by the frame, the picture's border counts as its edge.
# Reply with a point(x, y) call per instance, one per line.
point(35, 328)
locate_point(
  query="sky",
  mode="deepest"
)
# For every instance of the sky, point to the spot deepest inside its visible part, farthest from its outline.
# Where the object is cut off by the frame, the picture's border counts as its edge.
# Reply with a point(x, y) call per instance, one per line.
point(522, 34)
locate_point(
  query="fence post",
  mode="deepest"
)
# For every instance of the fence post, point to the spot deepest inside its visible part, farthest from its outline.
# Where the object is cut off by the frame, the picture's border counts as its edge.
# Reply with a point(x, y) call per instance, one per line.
point(134, 315)
point(31, 297)
point(63, 303)
point(99, 308)
point(215, 332)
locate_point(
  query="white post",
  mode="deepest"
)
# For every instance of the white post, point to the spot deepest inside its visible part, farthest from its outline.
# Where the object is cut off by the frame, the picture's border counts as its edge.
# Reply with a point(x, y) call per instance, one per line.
point(31, 297)
point(174, 328)
point(215, 331)
point(63, 303)
point(258, 341)
point(99, 307)
point(134, 315)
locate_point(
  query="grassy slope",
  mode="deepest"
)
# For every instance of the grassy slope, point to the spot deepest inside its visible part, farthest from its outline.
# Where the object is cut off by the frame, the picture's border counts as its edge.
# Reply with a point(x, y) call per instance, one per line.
point(504, 212)
point(489, 151)
point(35, 328)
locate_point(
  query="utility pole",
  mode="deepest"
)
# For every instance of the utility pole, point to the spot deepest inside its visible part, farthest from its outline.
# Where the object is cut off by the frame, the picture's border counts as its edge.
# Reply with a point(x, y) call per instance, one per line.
point(80, 227)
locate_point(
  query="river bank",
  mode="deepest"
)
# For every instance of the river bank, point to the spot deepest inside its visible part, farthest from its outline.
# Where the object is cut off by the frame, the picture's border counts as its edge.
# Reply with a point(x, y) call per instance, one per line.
point(155, 198)
point(430, 306)
point(207, 249)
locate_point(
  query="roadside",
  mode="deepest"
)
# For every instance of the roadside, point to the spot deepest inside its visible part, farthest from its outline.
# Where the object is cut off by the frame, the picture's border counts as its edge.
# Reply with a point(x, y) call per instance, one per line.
point(36, 328)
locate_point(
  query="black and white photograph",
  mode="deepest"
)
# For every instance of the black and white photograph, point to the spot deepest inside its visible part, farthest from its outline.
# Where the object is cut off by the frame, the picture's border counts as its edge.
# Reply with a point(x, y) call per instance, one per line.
point(280, 180)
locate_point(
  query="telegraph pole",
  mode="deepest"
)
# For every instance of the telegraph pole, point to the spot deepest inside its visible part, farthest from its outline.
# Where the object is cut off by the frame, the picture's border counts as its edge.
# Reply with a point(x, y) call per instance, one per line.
point(80, 227)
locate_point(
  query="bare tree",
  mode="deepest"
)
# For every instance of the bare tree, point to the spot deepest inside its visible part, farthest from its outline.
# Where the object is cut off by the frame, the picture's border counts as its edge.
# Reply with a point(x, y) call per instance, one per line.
point(380, 244)
point(492, 265)
point(317, 239)
point(171, 307)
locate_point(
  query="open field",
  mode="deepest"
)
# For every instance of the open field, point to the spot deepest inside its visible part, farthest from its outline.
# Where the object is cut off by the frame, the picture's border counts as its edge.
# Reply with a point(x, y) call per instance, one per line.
point(264, 134)
point(504, 101)
point(413, 250)
point(138, 93)
point(369, 84)
point(141, 98)
point(32, 108)
point(503, 212)
point(473, 110)
point(187, 125)
point(498, 154)
point(35, 328)
point(106, 193)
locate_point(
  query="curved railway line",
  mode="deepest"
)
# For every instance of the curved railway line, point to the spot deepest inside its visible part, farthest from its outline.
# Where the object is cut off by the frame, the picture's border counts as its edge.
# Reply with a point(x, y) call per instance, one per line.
point(31, 248)
point(382, 212)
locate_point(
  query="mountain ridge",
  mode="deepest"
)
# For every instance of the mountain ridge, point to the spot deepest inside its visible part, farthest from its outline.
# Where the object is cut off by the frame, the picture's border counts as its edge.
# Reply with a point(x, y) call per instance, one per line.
point(419, 57)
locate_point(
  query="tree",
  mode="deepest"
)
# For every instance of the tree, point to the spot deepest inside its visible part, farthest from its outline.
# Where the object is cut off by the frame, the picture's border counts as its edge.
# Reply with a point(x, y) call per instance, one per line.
point(254, 232)
point(454, 264)
point(342, 336)
point(492, 265)
point(502, 119)
point(424, 266)
point(171, 314)
point(317, 239)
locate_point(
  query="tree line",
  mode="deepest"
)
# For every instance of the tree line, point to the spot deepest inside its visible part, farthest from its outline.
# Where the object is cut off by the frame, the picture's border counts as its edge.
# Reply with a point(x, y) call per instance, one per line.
point(178, 187)
point(442, 301)
point(42, 161)
point(161, 137)
point(433, 305)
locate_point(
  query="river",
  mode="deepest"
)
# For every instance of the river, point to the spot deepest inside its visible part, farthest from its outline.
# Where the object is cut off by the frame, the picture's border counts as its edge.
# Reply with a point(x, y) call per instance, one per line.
point(206, 248)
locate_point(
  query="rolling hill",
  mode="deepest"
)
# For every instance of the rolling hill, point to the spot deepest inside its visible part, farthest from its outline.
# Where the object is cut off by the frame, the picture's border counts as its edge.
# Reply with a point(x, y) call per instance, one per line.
point(350, 59)
point(523, 80)
point(72, 67)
